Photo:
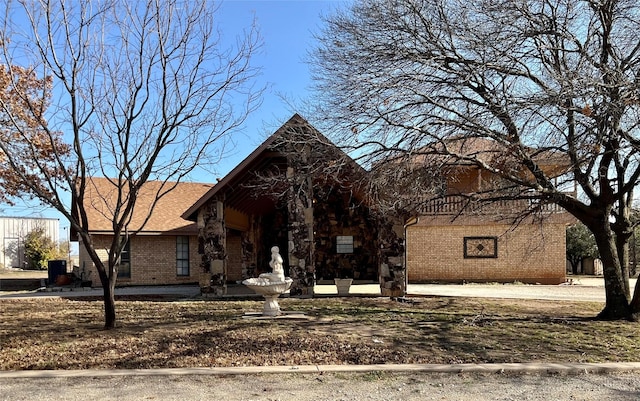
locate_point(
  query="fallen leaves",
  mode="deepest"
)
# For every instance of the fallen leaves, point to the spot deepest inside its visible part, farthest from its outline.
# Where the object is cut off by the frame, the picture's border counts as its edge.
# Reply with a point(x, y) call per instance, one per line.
point(64, 334)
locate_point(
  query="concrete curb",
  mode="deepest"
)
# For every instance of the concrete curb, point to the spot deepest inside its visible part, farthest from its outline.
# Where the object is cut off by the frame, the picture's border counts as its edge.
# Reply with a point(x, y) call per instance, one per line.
point(513, 368)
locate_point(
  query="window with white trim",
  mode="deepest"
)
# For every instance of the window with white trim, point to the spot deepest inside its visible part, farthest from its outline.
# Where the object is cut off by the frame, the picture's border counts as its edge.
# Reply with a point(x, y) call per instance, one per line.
point(182, 255)
point(344, 244)
point(124, 265)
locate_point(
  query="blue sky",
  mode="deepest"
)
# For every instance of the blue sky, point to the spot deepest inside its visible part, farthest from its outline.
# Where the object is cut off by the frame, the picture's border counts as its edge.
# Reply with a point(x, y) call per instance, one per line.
point(287, 28)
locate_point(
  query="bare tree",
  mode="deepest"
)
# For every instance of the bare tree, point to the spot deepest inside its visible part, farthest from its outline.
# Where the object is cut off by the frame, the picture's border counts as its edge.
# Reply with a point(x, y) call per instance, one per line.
point(539, 79)
point(141, 90)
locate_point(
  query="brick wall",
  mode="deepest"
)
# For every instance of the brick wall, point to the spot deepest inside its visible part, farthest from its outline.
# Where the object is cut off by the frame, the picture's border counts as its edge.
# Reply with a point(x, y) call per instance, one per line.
point(530, 253)
point(234, 256)
point(153, 260)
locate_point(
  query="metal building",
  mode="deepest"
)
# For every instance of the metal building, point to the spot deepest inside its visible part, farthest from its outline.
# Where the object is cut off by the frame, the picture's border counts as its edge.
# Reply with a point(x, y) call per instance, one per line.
point(13, 231)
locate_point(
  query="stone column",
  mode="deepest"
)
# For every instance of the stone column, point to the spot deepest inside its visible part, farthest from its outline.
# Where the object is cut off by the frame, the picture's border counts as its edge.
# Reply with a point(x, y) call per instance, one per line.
point(391, 256)
point(249, 251)
point(300, 233)
point(212, 246)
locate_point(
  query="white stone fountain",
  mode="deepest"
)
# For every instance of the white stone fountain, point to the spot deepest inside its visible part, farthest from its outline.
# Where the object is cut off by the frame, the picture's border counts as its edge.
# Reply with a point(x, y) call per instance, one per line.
point(271, 285)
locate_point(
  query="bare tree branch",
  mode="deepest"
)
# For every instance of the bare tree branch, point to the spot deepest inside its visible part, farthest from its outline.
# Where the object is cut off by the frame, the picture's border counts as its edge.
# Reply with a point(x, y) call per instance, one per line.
point(141, 91)
point(553, 85)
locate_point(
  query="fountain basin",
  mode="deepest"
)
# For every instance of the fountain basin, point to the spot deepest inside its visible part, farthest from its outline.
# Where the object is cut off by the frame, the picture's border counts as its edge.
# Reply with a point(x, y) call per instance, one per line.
point(270, 290)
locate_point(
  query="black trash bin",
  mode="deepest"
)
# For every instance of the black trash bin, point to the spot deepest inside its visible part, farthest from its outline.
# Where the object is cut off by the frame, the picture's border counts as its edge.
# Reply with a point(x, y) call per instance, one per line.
point(56, 268)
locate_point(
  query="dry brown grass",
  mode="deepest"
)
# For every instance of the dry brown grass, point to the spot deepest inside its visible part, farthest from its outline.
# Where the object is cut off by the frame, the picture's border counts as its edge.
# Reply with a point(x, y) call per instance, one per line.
point(66, 334)
point(11, 273)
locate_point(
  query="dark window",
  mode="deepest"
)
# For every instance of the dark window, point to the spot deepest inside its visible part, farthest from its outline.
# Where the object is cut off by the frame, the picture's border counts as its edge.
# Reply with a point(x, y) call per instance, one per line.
point(124, 267)
point(182, 255)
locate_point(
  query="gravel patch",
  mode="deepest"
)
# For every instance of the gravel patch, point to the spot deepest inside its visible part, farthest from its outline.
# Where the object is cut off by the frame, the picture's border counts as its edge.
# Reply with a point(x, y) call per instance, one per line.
point(334, 386)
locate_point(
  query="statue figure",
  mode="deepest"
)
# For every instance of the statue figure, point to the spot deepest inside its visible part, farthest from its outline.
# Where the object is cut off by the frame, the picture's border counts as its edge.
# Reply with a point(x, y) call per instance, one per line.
point(271, 285)
point(277, 273)
point(276, 261)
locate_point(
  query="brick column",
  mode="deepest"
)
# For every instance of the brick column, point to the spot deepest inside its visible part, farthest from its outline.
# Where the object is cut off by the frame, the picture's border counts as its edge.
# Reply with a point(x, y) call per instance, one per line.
point(212, 246)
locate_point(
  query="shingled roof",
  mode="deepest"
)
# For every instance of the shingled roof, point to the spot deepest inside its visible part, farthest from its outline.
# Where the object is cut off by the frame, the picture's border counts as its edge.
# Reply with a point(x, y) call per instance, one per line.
point(100, 197)
point(457, 149)
point(249, 200)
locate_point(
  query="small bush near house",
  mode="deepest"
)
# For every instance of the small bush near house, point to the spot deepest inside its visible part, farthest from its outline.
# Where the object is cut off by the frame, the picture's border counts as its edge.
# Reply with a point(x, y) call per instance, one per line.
point(39, 249)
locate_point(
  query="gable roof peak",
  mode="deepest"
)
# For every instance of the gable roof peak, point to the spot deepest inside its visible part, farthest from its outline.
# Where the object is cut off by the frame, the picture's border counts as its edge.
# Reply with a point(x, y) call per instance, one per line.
point(296, 120)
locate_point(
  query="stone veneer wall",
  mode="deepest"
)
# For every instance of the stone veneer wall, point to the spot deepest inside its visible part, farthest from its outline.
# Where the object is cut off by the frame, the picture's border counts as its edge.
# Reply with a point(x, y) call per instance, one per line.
point(248, 251)
point(391, 255)
point(153, 260)
point(338, 215)
point(300, 233)
point(530, 253)
point(212, 247)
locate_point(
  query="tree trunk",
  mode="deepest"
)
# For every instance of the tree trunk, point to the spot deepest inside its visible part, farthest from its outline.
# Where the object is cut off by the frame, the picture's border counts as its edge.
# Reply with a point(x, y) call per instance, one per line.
point(574, 264)
point(622, 246)
point(635, 303)
point(633, 259)
point(617, 298)
point(108, 287)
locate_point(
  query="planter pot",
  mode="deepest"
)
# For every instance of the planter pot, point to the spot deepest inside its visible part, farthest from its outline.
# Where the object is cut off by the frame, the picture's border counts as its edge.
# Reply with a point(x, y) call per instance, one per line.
point(343, 284)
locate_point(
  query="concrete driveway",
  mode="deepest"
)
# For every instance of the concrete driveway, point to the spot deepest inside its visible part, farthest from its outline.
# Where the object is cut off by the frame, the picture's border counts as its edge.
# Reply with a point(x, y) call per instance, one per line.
point(578, 288)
